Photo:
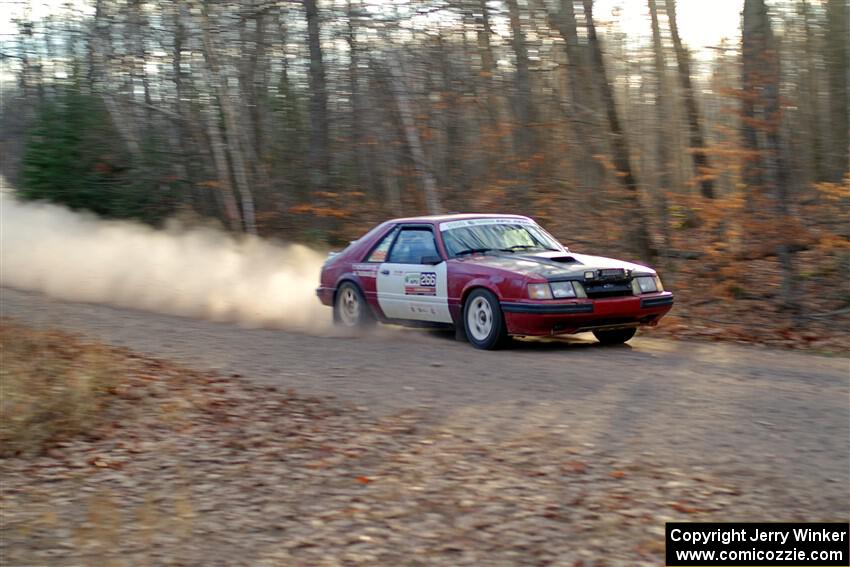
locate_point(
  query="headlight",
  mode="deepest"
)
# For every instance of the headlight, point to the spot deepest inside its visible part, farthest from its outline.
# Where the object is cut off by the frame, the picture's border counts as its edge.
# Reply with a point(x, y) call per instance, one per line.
point(658, 286)
point(646, 284)
point(563, 290)
point(539, 291)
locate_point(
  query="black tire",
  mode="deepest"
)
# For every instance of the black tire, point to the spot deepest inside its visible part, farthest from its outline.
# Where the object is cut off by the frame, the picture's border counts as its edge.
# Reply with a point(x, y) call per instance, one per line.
point(350, 308)
point(483, 322)
point(614, 336)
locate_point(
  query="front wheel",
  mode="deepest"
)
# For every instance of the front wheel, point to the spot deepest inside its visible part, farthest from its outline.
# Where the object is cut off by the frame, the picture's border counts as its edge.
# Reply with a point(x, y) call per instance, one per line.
point(350, 308)
point(615, 336)
point(483, 321)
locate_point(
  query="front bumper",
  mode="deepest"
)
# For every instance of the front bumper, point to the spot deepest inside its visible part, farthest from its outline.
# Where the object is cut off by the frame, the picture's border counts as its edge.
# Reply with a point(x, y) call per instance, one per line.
point(579, 315)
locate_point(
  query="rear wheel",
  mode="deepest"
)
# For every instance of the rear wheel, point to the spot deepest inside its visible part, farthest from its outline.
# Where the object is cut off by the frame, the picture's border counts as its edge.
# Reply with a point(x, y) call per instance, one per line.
point(615, 336)
point(483, 321)
point(350, 308)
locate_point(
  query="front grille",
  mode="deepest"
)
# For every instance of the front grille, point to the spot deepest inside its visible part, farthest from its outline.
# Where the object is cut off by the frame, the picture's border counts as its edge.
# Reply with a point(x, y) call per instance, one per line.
point(611, 273)
point(599, 290)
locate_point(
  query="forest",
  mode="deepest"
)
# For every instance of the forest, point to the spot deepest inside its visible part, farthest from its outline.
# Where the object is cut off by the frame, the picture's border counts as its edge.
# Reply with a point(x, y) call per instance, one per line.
point(725, 166)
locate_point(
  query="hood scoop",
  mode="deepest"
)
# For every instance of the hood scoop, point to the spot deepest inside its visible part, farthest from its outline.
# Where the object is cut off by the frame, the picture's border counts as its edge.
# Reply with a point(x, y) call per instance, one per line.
point(563, 259)
point(551, 258)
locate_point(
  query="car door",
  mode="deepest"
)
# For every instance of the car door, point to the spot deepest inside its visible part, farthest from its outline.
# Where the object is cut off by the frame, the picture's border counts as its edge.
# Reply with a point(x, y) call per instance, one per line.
point(412, 283)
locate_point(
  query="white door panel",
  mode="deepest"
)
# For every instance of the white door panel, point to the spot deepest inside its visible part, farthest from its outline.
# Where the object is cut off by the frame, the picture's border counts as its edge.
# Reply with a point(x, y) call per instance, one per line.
point(416, 292)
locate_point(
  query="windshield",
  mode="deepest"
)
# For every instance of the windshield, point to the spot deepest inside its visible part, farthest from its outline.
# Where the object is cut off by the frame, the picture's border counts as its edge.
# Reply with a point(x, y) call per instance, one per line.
point(487, 235)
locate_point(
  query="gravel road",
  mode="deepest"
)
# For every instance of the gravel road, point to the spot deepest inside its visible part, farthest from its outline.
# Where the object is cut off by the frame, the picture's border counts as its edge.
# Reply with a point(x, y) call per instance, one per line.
point(776, 416)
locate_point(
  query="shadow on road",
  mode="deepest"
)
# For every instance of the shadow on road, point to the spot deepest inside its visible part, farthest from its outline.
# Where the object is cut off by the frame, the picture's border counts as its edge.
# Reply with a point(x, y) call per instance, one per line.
point(531, 344)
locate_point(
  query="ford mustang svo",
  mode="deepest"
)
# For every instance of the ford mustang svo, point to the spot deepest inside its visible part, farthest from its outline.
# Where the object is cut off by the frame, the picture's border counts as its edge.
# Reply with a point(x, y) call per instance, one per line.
point(490, 277)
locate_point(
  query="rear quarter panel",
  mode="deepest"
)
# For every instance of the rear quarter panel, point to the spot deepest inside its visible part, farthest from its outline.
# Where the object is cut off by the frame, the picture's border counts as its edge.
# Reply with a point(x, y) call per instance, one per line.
point(347, 265)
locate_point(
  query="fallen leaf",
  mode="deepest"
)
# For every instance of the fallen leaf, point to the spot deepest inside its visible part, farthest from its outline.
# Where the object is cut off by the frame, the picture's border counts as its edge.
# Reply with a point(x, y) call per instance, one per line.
point(683, 508)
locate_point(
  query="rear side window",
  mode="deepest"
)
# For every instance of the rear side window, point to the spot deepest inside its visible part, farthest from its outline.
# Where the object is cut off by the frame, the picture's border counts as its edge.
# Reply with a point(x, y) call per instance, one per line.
point(379, 252)
point(412, 245)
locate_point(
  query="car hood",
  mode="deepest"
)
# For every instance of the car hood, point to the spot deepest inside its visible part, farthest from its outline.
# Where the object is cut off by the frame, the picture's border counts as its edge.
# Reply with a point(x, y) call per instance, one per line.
point(552, 264)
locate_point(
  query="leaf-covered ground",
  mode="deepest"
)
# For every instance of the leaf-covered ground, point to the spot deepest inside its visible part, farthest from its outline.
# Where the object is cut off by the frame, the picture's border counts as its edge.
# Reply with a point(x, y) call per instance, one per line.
point(191, 468)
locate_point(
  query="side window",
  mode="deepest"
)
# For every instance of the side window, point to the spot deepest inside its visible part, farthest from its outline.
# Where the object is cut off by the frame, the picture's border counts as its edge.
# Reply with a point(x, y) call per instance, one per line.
point(379, 252)
point(412, 245)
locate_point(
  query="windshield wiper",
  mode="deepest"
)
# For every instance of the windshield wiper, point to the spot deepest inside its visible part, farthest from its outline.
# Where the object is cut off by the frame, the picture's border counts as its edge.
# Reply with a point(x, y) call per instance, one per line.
point(528, 247)
point(474, 251)
point(516, 247)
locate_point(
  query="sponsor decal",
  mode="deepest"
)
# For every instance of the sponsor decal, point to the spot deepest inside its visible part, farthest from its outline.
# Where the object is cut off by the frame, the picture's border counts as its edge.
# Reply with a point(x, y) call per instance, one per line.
point(423, 310)
point(478, 222)
point(365, 270)
point(420, 283)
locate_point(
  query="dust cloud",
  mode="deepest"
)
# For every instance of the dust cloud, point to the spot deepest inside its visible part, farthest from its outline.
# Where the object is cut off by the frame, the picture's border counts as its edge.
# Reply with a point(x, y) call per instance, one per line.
point(195, 272)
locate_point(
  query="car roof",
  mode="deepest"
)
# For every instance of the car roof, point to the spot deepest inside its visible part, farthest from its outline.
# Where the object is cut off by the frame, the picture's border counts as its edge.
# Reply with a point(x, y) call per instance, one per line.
point(455, 216)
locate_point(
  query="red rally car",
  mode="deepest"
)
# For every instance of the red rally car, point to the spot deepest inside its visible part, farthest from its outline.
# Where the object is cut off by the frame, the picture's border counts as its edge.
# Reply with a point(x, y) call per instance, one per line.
point(489, 276)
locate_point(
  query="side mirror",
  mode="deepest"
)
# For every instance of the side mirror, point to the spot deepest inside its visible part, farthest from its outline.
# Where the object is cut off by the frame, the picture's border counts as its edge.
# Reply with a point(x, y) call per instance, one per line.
point(430, 260)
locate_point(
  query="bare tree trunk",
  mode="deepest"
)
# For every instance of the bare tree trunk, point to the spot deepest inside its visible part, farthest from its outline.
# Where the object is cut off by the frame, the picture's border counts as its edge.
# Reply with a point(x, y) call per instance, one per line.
point(438, 122)
point(252, 87)
point(319, 131)
point(259, 84)
point(523, 100)
point(762, 68)
point(838, 62)
point(358, 124)
point(225, 197)
point(138, 70)
point(224, 193)
point(408, 120)
point(231, 124)
point(784, 250)
point(100, 49)
point(389, 162)
point(246, 72)
point(777, 156)
point(697, 142)
point(225, 188)
point(179, 131)
point(483, 32)
point(639, 236)
point(489, 81)
point(578, 60)
point(581, 112)
point(661, 114)
point(812, 102)
point(753, 40)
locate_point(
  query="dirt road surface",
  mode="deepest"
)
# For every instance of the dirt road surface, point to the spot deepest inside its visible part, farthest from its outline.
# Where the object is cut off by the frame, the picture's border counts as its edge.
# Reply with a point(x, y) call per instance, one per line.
point(774, 416)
